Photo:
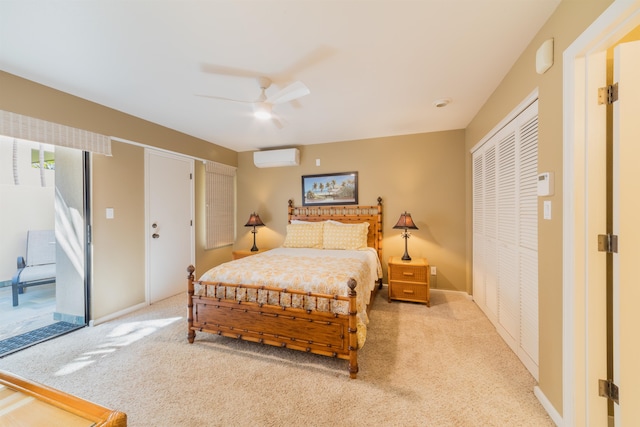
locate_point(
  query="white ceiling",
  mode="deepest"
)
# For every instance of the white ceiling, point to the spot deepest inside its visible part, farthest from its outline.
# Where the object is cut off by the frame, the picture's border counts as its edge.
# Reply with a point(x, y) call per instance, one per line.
point(374, 68)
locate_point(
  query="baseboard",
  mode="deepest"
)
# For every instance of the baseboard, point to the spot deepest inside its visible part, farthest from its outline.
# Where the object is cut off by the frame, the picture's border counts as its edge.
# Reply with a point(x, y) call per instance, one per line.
point(555, 416)
point(117, 314)
point(448, 291)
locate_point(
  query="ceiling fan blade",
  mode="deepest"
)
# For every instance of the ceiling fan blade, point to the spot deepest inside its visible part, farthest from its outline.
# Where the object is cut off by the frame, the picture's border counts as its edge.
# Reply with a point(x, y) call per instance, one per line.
point(224, 99)
point(294, 91)
point(223, 70)
point(276, 121)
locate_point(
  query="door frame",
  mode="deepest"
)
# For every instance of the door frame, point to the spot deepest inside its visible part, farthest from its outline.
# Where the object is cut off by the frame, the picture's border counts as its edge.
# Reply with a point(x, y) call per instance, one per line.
point(621, 17)
point(147, 219)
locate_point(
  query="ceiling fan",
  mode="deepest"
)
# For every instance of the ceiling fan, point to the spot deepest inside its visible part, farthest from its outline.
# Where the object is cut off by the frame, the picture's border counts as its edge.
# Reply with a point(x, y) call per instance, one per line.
point(263, 105)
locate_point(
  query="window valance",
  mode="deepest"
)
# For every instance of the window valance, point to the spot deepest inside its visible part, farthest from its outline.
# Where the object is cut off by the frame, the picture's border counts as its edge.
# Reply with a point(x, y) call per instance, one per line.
point(32, 129)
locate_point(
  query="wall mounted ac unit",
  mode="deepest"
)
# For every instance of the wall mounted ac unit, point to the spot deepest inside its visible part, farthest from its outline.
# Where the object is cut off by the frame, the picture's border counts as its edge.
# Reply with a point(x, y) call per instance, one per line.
point(276, 158)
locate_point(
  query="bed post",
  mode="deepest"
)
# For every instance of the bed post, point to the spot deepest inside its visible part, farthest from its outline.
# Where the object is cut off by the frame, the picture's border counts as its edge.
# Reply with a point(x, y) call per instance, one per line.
point(353, 329)
point(191, 334)
point(379, 232)
point(290, 211)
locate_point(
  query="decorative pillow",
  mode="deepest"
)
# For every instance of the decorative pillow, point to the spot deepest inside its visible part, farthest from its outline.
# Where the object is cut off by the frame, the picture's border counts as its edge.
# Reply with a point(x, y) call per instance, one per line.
point(307, 235)
point(345, 236)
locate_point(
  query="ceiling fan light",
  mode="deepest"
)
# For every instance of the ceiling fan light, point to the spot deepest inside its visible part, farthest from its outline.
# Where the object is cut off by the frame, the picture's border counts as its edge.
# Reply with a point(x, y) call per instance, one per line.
point(262, 111)
point(262, 115)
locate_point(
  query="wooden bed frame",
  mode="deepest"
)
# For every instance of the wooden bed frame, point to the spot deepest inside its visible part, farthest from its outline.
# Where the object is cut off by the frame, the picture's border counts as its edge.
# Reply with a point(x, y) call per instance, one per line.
point(318, 332)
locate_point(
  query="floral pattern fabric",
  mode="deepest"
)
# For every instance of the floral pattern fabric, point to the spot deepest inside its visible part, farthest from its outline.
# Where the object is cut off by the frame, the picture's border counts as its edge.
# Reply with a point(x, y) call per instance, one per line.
point(312, 270)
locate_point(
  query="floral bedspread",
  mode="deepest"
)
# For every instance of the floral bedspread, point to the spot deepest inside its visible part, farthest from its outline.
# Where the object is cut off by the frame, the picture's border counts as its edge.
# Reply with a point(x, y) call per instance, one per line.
point(312, 270)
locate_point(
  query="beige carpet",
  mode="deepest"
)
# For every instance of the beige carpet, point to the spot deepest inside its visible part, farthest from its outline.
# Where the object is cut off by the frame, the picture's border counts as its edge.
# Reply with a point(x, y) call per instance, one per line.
point(438, 366)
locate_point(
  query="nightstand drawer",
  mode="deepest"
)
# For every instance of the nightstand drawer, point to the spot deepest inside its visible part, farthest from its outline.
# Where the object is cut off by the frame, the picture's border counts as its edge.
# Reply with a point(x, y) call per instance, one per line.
point(408, 291)
point(409, 273)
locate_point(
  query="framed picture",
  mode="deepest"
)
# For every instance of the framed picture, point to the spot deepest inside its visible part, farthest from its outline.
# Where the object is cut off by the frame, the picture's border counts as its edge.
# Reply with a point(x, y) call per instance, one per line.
point(330, 189)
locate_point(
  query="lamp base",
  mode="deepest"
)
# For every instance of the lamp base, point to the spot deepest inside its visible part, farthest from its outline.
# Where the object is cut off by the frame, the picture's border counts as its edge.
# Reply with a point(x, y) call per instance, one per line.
point(406, 256)
point(254, 248)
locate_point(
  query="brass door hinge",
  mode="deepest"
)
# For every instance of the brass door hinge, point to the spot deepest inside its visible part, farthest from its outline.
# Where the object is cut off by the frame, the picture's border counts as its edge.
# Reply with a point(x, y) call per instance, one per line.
point(608, 243)
point(608, 94)
point(609, 390)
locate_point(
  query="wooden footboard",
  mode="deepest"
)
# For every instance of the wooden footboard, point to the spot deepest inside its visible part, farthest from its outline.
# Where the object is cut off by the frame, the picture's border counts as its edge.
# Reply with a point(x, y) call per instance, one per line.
point(318, 332)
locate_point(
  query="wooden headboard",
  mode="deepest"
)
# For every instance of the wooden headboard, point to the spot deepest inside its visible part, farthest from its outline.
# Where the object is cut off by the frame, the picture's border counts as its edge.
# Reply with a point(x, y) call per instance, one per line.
point(347, 214)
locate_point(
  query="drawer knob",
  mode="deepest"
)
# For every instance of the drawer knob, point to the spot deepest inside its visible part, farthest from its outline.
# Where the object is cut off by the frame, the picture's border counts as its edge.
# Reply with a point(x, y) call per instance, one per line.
point(407, 273)
point(407, 291)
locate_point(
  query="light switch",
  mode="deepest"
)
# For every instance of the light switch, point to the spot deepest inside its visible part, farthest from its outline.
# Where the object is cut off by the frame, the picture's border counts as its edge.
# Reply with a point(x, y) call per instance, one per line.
point(109, 213)
point(547, 209)
point(317, 162)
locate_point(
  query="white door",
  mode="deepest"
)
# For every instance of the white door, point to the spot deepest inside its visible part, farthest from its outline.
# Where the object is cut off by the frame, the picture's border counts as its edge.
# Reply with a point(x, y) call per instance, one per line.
point(626, 217)
point(584, 202)
point(169, 232)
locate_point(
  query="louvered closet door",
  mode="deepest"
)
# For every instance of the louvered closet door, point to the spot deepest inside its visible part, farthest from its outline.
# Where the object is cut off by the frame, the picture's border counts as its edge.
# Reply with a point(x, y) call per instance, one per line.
point(485, 229)
point(479, 285)
point(491, 234)
point(528, 238)
point(505, 232)
point(508, 289)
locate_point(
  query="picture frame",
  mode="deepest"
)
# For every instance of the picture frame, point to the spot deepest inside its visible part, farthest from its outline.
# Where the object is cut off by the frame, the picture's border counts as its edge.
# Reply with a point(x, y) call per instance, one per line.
point(339, 188)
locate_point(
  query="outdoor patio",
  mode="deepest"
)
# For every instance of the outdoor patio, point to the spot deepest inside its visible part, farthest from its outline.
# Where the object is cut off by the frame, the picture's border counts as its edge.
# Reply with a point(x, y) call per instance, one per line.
point(35, 310)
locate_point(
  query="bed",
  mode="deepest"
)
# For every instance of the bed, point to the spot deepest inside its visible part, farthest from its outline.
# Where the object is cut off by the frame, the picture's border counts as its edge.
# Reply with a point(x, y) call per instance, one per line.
point(318, 305)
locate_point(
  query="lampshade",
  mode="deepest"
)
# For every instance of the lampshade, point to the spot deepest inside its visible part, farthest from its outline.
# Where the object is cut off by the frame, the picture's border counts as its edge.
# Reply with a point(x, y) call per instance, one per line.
point(405, 222)
point(254, 221)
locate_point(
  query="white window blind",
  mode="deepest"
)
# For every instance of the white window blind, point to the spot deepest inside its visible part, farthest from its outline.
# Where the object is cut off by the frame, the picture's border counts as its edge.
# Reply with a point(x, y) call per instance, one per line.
point(32, 129)
point(220, 201)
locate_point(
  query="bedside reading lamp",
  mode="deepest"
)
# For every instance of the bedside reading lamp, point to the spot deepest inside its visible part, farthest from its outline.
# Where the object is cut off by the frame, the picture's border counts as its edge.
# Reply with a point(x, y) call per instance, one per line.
point(254, 221)
point(405, 222)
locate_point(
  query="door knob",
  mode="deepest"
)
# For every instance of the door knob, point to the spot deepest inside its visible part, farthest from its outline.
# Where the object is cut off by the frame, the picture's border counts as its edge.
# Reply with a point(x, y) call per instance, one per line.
point(155, 235)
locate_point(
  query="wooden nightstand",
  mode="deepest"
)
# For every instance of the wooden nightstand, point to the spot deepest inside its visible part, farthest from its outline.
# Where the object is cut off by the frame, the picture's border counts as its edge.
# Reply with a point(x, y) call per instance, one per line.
point(409, 280)
point(243, 253)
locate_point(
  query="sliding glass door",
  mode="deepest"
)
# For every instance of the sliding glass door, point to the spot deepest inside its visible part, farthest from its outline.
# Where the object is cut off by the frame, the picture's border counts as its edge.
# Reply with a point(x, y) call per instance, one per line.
point(43, 188)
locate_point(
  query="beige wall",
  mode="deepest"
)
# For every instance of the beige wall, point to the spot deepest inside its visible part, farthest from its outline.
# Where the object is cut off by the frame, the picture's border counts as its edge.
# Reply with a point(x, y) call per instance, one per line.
point(118, 182)
point(426, 174)
point(422, 174)
point(570, 19)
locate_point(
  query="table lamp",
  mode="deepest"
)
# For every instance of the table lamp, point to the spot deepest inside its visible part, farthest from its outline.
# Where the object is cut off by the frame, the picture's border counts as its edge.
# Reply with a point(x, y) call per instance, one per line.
point(405, 222)
point(254, 221)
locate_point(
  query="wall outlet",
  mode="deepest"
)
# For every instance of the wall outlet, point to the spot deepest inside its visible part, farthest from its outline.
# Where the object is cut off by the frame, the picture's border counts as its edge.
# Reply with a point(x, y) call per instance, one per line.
point(433, 270)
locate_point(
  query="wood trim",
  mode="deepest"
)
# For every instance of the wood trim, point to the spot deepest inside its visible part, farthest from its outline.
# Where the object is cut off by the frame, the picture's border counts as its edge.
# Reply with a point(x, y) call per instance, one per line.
point(97, 414)
point(347, 214)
